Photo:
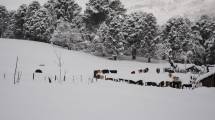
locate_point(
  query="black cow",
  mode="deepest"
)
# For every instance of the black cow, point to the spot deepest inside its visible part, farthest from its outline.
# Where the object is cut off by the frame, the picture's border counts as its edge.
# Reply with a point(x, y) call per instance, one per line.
point(168, 84)
point(126, 81)
point(187, 86)
point(176, 84)
point(169, 70)
point(161, 84)
point(131, 82)
point(38, 71)
point(121, 80)
point(109, 79)
point(140, 82)
point(140, 70)
point(151, 84)
point(146, 70)
point(105, 71)
point(113, 71)
point(133, 72)
point(95, 73)
point(158, 70)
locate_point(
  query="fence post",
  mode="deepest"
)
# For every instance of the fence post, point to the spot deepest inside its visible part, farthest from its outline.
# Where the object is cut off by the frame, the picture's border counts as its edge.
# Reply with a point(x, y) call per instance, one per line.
point(15, 72)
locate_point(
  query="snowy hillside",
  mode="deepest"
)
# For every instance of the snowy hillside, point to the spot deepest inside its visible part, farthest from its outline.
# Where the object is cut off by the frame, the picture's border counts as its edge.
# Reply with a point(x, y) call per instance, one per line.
point(80, 99)
point(32, 55)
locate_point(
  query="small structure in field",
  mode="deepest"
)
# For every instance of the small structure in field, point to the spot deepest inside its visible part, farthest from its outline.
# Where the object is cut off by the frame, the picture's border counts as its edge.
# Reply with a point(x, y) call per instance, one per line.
point(208, 79)
point(193, 69)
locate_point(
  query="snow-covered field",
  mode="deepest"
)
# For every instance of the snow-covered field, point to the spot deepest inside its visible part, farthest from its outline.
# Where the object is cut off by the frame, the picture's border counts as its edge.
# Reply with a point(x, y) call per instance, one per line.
point(79, 99)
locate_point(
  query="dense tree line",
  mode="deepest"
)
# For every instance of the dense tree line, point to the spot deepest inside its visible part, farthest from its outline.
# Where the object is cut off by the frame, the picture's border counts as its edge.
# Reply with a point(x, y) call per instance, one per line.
point(105, 28)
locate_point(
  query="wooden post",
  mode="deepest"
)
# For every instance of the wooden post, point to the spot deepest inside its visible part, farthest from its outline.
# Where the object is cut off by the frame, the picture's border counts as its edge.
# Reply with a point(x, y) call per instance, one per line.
point(14, 80)
point(64, 78)
point(33, 76)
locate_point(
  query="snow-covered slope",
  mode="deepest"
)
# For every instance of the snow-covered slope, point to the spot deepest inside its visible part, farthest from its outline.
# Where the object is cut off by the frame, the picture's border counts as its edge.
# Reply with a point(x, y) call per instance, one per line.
point(77, 99)
point(74, 64)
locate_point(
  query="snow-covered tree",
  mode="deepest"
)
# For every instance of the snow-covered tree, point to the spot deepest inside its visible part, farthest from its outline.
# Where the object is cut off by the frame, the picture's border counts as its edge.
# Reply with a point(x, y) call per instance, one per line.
point(98, 11)
point(67, 9)
point(177, 35)
point(20, 16)
point(67, 36)
point(3, 19)
point(141, 30)
point(112, 35)
point(39, 25)
point(32, 8)
point(9, 32)
point(63, 9)
point(205, 26)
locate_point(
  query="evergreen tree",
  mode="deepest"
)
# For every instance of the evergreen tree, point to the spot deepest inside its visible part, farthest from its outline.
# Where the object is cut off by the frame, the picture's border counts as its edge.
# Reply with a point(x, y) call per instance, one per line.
point(112, 35)
point(67, 9)
point(63, 9)
point(3, 19)
point(205, 26)
point(141, 29)
point(9, 32)
point(177, 35)
point(39, 25)
point(98, 11)
point(20, 20)
point(33, 7)
point(66, 36)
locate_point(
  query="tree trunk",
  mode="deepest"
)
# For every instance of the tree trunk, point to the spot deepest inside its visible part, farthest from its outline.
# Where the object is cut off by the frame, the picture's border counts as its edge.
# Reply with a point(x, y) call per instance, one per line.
point(114, 57)
point(133, 57)
point(149, 59)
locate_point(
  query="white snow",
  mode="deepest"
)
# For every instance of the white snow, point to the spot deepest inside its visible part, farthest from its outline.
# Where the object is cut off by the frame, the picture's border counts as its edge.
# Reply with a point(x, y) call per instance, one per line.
point(79, 99)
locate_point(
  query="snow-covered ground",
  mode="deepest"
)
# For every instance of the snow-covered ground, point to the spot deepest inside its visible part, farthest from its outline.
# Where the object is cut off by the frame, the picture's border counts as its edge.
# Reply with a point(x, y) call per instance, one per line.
point(79, 99)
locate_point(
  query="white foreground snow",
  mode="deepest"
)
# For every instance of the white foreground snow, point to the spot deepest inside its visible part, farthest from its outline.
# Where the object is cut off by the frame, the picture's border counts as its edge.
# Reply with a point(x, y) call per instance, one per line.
point(81, 100)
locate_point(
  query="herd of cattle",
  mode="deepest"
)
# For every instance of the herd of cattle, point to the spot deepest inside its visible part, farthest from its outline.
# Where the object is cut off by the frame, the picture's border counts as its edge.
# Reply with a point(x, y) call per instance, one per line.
point(175, 83)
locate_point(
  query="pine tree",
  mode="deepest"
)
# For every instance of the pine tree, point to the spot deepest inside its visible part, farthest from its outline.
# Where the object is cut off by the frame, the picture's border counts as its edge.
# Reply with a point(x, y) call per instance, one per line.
point(33, 7)
point(112, 35)
point(141, 30)
point(206, 28)
point(177, 34)
point(3, 19)
point(39, 25)
point(9, 32)
point(63, 9)
point(98, 11)
point(20, 20)
point(66, 36)
point(67, 9)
